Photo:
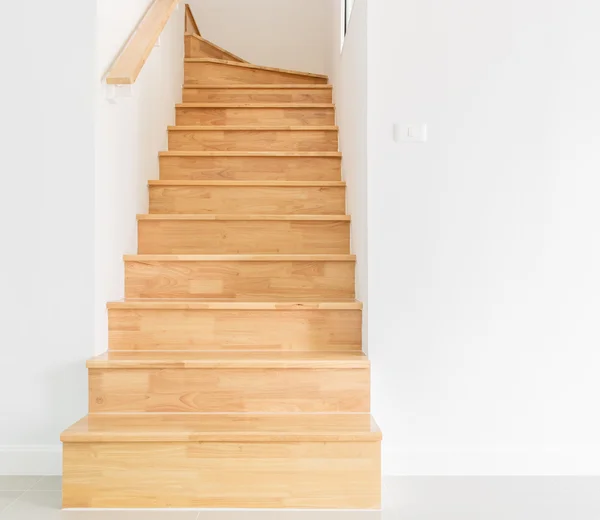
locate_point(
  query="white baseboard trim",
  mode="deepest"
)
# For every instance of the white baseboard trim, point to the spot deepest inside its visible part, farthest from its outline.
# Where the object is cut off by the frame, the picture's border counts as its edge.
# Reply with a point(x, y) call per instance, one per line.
point(491, 461)
point(44, 460)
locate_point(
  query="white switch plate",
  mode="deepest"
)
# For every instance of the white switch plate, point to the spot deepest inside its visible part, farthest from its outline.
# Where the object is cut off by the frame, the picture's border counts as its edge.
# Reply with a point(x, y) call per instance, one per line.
point(410, 133)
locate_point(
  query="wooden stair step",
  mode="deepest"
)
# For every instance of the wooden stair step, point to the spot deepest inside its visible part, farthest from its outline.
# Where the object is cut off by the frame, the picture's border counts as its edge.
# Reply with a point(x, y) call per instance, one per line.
point(198, 47)
point(246, 184)
point(235, 325)
point(253, 138)
point(245, 218)
point(258, 93)
point(250, 234)
point(246, 277)
point(236, 197)
point(223, 428)
point(309, 114)
point(219, 359)
point(208, 71)
point(225, 304)
point(243, 166)
point(230, 382)
point(222, 460)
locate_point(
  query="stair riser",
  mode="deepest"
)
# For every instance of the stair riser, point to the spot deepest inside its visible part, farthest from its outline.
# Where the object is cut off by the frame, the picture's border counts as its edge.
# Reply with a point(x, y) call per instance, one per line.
point(251, 168)
point(344, 475)
point(253, 140)
point(210, 329)
point(195, 48)
point(255, 116)
point(244, 200)
point(207, 73)
point(259, 281)
point(261, 95)
point(240, 236)
point(213, 389)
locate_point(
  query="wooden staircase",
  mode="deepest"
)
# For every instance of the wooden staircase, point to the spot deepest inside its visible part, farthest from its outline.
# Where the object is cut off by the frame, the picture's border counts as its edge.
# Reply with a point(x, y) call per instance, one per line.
point(235, 376)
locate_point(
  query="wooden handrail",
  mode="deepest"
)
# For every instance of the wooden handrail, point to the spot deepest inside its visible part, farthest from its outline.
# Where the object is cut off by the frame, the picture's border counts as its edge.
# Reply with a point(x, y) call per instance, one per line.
point(191, 27)
point(128, 65)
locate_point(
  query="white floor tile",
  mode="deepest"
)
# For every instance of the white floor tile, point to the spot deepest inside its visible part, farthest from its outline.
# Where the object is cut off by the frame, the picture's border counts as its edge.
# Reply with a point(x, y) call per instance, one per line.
point(7, 497)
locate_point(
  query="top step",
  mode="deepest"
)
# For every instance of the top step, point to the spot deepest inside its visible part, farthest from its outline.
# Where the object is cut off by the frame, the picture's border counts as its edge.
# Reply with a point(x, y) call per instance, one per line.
point(198, 47)
point(208, 71)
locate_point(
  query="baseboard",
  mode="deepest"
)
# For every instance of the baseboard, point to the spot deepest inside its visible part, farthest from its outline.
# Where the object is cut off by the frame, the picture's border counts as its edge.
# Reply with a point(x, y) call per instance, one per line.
point(491, 461)
point(43, 460)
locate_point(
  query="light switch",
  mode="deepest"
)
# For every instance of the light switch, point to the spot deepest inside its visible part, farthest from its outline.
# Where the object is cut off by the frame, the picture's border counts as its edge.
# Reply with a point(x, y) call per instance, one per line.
point(410, 133)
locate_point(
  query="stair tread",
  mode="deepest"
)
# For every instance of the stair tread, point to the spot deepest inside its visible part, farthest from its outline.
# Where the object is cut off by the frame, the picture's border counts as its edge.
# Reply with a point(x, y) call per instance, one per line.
point(183, 153)
point(240, 258)
point(279, 184)
point(184, 427)
point(253, 128)
point(229, 304)
point(254, 105)
point(229, 359)
point(259, 86)
point(258, 67)
point(182, 216)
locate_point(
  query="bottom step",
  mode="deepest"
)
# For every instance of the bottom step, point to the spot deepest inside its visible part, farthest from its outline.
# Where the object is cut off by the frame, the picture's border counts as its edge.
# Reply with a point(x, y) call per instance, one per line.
point(222, 461)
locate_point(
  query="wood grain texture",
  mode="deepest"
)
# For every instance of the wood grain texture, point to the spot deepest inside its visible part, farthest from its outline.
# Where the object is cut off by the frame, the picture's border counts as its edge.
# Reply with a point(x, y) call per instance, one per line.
point(198, 47)
point(184, 326)
point(260, 139)
point(128, 65)
point(213, 389)
point(223, 304)
point(258, 94)
point(226, 360)
point(276, 114)
point(248, 199)
point(248, 280)
point(206, 71)
point(243, 236)
point(292, 166)
point(194, 427)
point(191, 26)
point(251, 475)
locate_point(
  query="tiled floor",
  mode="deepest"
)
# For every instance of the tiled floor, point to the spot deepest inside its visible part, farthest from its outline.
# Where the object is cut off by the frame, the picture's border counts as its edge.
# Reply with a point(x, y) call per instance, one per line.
point(405, 498)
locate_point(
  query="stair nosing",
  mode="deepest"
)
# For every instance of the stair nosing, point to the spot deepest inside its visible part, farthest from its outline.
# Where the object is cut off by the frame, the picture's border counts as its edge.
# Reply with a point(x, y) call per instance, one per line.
point(187, 434)
point(260, 86)
point(251, 128)
point(227, 360)
point(181, 304)
point(240, 258)
point(254, 105)
point(249, 184)
point(191, 153)
point(223, 217)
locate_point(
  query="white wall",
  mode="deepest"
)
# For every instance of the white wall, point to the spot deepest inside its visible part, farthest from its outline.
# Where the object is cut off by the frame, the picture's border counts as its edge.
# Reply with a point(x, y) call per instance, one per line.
point(288, 34)
point(483, 249)
point(47, 226)
point(76, 169)
point(129, 135)
point(349, 77)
